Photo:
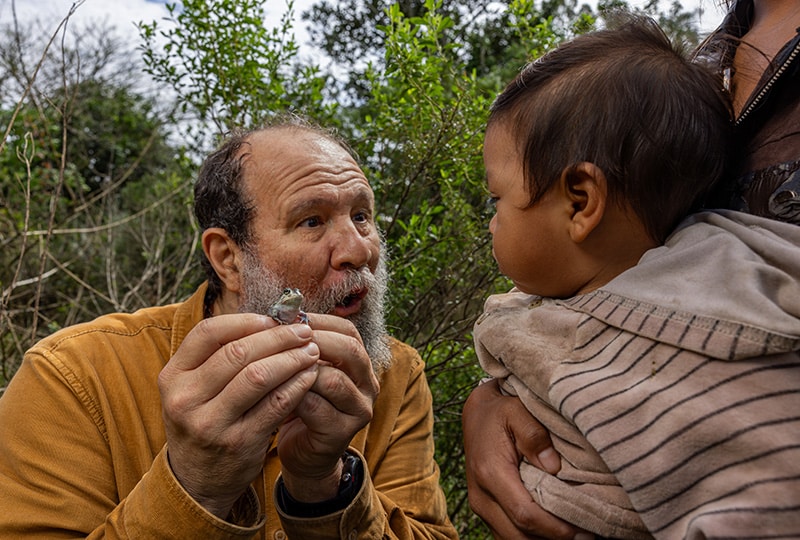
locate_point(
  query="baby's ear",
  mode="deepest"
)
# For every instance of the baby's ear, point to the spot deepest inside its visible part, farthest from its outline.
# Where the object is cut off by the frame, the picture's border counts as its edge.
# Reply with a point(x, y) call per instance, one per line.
point(224, 255)
point(586, 187)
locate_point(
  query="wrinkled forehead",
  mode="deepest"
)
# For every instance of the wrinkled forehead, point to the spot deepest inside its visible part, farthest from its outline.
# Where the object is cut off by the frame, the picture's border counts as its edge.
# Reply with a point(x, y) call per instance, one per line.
point(276, 149)
point(282, 162)
point(289, 143)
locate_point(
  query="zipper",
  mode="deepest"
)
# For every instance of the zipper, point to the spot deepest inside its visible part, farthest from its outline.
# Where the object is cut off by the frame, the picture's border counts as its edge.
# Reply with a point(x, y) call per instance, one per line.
point(766, 88)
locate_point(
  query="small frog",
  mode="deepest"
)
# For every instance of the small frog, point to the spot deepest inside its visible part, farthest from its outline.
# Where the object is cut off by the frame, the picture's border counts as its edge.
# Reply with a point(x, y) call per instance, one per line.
point(287, 308)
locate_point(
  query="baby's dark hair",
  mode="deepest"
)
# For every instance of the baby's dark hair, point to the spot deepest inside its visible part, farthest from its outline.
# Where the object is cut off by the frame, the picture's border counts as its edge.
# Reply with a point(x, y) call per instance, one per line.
point(627, 100)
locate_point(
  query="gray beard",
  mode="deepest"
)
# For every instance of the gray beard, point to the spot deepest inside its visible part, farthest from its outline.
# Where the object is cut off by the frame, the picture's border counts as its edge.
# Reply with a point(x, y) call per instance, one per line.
point(262, 287)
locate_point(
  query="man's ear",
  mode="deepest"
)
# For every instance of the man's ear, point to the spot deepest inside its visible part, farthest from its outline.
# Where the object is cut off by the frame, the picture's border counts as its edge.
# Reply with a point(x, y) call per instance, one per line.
point(586, 187)
point(224, 255)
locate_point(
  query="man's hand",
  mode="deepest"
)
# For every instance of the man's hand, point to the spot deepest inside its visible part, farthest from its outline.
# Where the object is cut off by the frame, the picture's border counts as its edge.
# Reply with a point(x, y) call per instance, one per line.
point(230, 384)
point(311, 444)
point(498, 431)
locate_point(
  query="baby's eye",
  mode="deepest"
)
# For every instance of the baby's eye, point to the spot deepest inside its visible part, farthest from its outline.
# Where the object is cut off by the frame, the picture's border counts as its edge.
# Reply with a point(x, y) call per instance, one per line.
point(491, 204)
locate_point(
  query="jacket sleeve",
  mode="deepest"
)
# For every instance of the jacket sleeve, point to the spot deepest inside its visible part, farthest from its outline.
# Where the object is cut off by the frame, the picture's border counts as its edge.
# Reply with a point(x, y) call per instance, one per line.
point(59, 477)
point(400, 497)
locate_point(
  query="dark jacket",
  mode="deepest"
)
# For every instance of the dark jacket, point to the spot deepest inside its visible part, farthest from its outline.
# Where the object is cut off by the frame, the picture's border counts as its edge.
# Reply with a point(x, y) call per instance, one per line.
point(767, 170)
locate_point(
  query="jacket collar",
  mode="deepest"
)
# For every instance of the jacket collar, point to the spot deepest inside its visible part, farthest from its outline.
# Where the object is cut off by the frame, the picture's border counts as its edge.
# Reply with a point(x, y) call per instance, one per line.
point(187, 316)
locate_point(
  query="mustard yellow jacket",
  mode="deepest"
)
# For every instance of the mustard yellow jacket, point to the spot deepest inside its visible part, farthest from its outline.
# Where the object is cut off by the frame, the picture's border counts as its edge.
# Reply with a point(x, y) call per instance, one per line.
point(82, 446)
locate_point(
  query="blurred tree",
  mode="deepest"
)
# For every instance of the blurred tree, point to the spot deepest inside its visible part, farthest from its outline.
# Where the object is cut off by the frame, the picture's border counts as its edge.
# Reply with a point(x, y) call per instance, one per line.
point(679, 24)
point(227, 69)
point(350, 33)
point(94, 198)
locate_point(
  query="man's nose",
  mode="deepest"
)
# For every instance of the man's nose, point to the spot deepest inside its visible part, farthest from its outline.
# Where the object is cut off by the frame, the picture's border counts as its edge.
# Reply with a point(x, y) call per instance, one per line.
point(352, 247)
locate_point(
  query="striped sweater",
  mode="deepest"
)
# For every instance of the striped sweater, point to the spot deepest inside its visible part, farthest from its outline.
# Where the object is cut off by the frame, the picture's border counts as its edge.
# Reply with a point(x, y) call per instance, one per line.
point(673, 392)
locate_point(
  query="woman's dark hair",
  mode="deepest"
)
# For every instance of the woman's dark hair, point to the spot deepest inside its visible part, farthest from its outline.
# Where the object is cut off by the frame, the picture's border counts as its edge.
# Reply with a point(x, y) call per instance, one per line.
point(219, 197)
point(627, 100)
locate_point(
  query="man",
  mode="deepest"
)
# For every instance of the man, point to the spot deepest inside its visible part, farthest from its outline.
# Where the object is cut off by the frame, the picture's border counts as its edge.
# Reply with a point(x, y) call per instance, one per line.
point(209, 419)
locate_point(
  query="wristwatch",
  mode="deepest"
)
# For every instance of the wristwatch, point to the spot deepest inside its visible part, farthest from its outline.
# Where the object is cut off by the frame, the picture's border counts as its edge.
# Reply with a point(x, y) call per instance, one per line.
point(349, 485)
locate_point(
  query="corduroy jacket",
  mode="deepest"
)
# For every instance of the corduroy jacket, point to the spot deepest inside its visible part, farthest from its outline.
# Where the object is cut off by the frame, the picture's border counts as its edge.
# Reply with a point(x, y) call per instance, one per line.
point(82, 446)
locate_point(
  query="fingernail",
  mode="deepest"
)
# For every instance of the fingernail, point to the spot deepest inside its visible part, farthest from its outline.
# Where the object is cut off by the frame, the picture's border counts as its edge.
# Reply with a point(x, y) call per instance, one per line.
point(301, 330)
point(550, 460)
point(311, 349)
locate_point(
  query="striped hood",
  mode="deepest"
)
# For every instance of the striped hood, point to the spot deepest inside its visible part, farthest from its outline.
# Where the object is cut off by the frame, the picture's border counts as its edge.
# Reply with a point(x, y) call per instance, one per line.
point(672, 394)
point(723, 274)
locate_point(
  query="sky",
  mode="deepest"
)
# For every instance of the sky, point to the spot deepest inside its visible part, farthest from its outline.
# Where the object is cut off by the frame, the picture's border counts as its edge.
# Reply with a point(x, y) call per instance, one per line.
point(123, 14)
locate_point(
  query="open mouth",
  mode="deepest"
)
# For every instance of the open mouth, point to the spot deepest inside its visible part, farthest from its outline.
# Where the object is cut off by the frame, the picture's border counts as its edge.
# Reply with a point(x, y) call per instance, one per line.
point(353, 298)
point(351, 303)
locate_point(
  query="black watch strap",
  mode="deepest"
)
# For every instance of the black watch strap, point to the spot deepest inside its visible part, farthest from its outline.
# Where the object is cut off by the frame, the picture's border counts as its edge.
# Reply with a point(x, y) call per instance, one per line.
point(349, 484)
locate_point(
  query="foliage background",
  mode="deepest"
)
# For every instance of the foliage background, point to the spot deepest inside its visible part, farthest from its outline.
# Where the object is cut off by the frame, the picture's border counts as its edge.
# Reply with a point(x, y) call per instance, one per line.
point(100, 145)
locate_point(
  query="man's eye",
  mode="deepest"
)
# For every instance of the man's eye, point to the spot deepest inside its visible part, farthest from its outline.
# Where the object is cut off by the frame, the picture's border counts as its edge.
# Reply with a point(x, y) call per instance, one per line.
point(361, 217)
point(311, 222)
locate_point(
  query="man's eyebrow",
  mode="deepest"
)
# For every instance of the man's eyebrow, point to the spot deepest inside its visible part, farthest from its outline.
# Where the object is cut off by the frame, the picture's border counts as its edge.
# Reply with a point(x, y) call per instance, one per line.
point(365, 197)
point(310, 204)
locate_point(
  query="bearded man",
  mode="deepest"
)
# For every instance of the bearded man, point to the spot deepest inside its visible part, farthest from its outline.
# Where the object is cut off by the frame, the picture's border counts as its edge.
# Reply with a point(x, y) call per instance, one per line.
point(210, 419)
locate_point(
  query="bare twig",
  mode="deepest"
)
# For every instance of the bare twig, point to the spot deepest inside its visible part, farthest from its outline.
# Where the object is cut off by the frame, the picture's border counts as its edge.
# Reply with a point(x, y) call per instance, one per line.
point(28, 87)
point(106, 226)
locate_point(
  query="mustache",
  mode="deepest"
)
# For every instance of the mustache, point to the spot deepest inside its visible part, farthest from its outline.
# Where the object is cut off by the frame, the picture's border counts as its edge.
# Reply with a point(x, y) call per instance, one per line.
point(262, 287)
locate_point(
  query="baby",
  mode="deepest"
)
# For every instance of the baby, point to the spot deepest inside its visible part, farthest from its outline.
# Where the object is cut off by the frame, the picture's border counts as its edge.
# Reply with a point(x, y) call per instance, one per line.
point(663, 361)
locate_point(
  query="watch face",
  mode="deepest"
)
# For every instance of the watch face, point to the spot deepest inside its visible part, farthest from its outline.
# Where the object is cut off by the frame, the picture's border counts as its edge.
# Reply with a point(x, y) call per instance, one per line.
point(349, 486)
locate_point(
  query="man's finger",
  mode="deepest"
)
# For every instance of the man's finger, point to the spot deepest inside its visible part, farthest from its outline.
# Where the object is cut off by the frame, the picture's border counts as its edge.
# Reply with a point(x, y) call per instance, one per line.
point(260, 377)
point(209, 335)
point(242, 359)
